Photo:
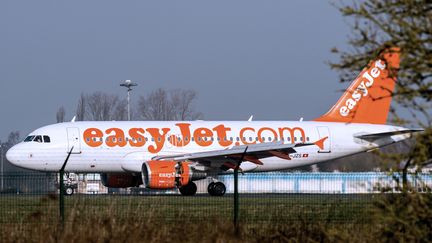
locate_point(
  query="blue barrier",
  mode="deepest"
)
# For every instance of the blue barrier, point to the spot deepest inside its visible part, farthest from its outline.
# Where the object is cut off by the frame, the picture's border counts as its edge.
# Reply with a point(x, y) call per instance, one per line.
point(324, 182)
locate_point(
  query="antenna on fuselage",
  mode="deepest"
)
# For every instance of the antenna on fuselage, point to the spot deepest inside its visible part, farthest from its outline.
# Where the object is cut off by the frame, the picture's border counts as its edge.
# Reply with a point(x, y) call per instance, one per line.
point(73, 119)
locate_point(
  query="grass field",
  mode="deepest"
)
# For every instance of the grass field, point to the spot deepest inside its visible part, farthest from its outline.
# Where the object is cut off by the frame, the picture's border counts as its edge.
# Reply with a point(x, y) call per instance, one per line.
point(263, 218)
point(255, 208)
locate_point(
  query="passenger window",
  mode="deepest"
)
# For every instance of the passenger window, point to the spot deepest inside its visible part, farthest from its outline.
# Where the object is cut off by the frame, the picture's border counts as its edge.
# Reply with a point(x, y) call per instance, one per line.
point(38, 139)
point(46, 139)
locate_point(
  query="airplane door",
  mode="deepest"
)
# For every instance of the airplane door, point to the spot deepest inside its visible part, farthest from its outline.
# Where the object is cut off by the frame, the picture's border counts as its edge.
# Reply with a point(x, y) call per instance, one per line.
point(324, 132)
point(73, 136)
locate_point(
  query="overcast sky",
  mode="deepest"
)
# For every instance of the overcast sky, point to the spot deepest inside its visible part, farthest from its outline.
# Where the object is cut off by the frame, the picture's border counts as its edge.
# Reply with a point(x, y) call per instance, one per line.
point(266, 58)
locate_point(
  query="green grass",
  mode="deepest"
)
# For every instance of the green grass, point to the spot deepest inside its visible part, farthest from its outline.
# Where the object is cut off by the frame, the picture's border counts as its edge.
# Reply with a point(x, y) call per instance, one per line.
point(254, 209)
point(263, 218)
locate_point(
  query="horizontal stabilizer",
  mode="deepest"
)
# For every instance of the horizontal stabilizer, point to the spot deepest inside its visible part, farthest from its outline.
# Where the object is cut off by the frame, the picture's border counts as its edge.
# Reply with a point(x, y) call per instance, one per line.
point(374, 136)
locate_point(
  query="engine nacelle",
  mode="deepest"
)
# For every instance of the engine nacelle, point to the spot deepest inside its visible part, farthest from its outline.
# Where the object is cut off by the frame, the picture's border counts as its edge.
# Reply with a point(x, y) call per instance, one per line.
point(120, 180)
point(168, 174)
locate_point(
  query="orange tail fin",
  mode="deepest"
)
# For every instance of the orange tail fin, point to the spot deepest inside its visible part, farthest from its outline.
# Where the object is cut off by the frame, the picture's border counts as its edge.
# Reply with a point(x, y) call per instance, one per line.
point(368, 98)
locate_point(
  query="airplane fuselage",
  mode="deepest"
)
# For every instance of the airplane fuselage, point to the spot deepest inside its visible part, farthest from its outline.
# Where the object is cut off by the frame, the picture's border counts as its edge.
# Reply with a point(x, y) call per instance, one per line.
point(100, 147)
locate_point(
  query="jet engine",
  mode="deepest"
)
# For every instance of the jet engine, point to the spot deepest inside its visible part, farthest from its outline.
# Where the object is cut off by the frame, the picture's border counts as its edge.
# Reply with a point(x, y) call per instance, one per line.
point(120, 180)
point(169, 174)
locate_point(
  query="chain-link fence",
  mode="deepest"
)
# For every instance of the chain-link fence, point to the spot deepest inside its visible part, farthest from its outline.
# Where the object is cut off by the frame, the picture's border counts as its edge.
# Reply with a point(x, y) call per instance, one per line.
point(265, 198)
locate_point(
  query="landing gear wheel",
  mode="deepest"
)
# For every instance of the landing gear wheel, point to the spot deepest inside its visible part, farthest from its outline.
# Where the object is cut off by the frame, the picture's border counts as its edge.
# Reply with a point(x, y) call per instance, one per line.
point(217, 189)
point(189, 189)
point(69, 191)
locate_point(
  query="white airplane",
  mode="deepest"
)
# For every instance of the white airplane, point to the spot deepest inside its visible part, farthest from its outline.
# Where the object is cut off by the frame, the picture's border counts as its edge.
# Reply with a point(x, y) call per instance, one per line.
point(173, 154)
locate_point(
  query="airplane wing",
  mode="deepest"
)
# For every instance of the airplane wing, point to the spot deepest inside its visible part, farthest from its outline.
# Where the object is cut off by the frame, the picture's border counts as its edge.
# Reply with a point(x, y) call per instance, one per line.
point(254, 153)
point(375, 136)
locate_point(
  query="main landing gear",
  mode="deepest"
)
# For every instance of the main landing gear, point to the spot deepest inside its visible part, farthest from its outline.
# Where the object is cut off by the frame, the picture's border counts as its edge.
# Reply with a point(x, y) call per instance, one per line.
point(217, 189)
point(188, 190)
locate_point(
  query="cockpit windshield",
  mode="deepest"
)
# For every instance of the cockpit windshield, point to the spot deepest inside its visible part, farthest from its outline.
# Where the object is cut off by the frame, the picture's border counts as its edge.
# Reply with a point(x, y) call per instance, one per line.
point(38, 139)
point(29, 139)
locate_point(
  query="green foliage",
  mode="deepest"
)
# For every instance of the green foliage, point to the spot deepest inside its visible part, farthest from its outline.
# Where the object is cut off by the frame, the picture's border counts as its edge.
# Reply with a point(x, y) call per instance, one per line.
point(407, 24)
point(405, 217)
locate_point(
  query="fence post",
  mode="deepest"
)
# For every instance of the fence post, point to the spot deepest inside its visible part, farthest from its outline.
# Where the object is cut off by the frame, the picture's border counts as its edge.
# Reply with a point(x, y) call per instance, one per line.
point(61, 196)
point(236, 196)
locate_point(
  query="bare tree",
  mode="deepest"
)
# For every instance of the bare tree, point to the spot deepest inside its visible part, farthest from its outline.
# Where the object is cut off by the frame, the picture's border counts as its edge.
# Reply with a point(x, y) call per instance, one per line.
point(120, 112)
point(99, 106)
point(81, 108)
point(13, 138)
point(182, 101)
point(166, 105)
point(60, 116)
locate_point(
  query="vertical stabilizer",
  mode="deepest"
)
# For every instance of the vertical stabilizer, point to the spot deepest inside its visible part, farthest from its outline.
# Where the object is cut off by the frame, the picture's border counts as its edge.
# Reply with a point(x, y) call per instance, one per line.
point(368, 98)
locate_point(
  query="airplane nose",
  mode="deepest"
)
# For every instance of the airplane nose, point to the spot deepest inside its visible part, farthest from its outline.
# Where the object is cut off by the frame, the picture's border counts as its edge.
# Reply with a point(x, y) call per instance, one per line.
point(12, 155)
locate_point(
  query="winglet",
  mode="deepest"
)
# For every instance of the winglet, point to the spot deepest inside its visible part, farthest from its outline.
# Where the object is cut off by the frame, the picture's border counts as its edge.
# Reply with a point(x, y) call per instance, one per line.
point(320, 143)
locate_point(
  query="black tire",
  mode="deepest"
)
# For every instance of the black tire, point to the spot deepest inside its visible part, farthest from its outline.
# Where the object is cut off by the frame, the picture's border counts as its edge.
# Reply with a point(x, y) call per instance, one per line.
point(189, 189)
point(69, 191)
point(210, 188)
point(216, 189)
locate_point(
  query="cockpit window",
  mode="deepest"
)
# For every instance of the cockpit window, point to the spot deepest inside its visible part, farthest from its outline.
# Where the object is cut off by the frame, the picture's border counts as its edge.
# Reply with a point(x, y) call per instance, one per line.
point(29, 138)
point(38, 139)
point(46, 139)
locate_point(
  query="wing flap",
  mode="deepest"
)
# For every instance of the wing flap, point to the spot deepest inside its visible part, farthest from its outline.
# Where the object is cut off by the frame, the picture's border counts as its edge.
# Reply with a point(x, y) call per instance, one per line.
point(254, 152)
